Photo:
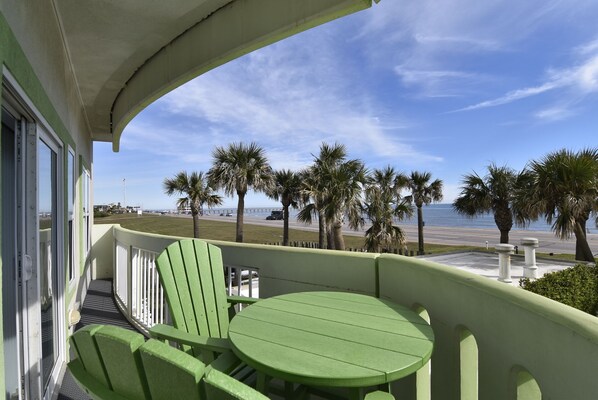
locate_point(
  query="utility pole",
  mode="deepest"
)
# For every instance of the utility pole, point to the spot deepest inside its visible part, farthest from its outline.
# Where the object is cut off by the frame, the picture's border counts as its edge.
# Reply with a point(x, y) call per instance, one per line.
point(124, 193)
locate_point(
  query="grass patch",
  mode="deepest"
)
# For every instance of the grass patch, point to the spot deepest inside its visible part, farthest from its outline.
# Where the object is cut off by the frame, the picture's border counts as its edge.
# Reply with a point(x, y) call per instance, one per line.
point(224, 230)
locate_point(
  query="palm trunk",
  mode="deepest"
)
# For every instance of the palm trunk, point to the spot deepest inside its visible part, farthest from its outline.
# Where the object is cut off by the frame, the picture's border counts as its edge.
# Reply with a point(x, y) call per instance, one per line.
point(337, 234)
point(285, 225)
point(503, 218)
point(196, 225)
point(330, 237)
point(504, 235)
point(240, 210)
point(321, 230)
point(582, 248)
point(420, 230)
point(195, 216)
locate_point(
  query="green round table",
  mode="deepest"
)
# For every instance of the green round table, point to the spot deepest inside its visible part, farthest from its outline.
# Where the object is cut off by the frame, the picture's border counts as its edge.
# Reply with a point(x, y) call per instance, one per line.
point(332, 339)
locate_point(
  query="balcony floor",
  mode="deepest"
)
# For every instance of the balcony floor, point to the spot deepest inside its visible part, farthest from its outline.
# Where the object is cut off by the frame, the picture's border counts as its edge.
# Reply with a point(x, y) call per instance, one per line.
point(98, 308)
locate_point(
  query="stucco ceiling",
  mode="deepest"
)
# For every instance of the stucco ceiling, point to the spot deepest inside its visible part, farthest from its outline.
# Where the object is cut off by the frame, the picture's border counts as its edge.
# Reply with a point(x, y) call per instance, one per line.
point(127, 53)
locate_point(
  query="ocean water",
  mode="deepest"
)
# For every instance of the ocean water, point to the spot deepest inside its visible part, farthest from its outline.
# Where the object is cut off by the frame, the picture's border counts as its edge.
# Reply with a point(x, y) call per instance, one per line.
point(434, 215)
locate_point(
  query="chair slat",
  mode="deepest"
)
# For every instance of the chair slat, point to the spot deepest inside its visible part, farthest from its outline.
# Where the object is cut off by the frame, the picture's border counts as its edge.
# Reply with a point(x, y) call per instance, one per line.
point(197, 305)
point(215, 256)
point(206, 267)
point(87, 352)
point(167, 281)
point(179, 272)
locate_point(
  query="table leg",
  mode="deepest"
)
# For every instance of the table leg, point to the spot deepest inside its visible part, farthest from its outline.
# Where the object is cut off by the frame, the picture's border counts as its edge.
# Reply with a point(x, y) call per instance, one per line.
point(262, 383)
point(356, 393)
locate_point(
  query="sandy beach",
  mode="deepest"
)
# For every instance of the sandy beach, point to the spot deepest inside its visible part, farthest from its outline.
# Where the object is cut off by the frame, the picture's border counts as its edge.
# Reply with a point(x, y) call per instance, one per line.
point(549, 243)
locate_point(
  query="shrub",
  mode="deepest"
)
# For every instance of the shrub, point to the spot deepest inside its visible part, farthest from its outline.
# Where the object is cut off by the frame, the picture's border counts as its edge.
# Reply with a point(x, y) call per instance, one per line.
point(576, 287)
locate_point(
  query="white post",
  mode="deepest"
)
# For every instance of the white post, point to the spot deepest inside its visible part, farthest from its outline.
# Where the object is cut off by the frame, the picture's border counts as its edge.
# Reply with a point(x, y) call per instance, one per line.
point(504, 261)
point(529, 246)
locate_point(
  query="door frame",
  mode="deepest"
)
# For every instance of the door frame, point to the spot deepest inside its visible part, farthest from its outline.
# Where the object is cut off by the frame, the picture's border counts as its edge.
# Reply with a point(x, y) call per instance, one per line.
point(36, 127)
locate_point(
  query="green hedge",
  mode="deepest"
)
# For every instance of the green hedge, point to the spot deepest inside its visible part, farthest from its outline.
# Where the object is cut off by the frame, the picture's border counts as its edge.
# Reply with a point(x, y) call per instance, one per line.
point(576, 287)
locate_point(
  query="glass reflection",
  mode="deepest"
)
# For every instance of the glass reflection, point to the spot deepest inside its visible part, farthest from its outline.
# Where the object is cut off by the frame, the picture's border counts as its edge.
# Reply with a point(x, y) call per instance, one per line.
point(47, 248)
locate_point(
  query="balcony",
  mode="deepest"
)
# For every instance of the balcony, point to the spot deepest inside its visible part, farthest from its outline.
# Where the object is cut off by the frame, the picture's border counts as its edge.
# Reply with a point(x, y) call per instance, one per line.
point(493, 341)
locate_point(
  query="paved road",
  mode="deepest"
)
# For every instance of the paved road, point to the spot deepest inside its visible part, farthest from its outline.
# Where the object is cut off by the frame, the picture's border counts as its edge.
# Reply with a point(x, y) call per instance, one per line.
point(549, 243)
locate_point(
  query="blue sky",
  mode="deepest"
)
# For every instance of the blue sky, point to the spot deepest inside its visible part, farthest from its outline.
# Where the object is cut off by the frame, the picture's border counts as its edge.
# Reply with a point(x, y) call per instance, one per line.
point(446, 87)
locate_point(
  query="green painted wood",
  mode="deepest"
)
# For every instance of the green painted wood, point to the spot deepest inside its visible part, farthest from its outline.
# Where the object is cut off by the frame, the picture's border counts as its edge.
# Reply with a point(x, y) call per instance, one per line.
point(393, 322)
point(182, 290)
point(171, 373)
point(87, 353)
point(356, 304)
point(169, 285)
point(294, 365)
point(167, 332)
point(192, 274)
point(331, 339)
point(118, 348)
point(151, 370)
point(196, 309)
point(415, 344)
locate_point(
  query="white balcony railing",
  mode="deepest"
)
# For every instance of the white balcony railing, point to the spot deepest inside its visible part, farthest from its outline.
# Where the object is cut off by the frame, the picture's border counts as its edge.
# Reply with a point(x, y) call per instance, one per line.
point(493, 341)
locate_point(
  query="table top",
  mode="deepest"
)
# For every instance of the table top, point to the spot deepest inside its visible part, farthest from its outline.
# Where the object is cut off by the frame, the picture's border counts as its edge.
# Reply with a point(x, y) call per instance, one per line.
point(331, 339)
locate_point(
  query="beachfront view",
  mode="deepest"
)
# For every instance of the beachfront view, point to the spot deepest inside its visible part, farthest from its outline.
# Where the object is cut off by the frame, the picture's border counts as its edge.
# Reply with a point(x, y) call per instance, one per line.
point(338, 199)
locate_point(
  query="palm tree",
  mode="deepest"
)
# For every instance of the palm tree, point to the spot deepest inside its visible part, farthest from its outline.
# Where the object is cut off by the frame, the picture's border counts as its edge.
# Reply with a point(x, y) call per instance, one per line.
point(315, 190)
point(492, 193)
point(287, 189)
point(196, 192)
point(237, 168)
point(312, 200)
point(344, 200)
point(332, 189)
point(562, 187)
point(383, 203)
point(422, 192)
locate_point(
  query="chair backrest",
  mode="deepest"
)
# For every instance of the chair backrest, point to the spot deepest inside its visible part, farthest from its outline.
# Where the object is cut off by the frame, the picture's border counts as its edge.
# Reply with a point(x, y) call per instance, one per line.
point(113, 363)
point(192, 275)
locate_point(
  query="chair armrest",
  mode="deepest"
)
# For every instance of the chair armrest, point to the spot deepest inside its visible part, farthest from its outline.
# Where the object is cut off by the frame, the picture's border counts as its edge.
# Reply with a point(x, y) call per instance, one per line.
point(167, 332)
point(241, 299)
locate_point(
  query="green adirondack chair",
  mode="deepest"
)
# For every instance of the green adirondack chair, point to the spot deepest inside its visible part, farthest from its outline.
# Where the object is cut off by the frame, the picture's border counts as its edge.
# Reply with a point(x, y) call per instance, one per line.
point(114, 363)
point(192, 275)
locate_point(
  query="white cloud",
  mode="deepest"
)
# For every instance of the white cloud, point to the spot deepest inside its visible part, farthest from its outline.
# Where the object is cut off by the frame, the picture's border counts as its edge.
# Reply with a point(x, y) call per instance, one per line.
point(556, 113)
point(512, 96)
point(579, 80)
point(435, 47)
point(289, 98)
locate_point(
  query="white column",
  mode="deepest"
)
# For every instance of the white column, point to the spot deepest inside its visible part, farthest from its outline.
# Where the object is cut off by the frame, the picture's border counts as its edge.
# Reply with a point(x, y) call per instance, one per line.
point(504, 261)
point(529, 246)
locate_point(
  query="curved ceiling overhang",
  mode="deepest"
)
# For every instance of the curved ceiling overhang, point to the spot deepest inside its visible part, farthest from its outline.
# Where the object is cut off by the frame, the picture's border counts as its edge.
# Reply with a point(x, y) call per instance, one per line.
point(231, 31)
